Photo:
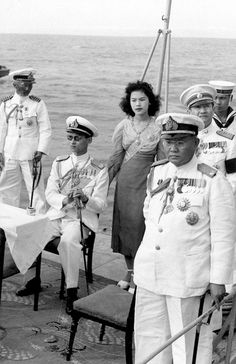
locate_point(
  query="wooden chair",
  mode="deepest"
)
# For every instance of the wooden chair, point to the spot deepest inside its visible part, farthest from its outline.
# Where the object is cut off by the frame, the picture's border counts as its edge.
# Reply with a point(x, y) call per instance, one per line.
point(9, 268)
point(228, 328)
point(87, 249)
point(110, 306)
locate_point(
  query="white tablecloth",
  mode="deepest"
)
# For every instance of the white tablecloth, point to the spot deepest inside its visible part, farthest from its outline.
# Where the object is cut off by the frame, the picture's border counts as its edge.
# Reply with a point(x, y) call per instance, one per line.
point(26, 235)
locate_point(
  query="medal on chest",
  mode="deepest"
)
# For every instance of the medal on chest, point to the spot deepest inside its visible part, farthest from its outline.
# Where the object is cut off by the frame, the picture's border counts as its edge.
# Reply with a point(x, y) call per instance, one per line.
point(29, 122)
point(183, 204)
point(192, 218)
point(170, 196)
point(225, 134)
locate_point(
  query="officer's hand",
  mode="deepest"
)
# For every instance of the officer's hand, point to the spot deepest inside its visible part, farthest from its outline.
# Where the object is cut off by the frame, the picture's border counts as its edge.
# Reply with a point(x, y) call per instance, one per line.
point(2, 162)
point(217, 292)
point(78, 193)
point(37, 156)
point(68, 199)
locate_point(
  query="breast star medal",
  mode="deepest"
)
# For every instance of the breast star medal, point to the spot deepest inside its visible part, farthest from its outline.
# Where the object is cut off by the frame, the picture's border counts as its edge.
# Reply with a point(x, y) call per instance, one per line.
point(192, 218)
point(183, 204)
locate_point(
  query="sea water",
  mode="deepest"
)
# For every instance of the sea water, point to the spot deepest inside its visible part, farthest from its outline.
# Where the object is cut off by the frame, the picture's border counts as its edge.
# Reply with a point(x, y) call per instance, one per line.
point(86, 76)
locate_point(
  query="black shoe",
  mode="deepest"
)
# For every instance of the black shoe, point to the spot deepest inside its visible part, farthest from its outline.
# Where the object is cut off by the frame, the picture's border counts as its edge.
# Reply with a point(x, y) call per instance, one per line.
point(31, 287)
point(71, 297)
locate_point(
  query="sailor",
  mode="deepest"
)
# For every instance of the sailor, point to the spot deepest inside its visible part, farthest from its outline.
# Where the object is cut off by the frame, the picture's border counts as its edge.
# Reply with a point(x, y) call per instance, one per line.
point(76, 192)
point(217, 146)
point(187, 247)
point(224, 115)
point(25, 135)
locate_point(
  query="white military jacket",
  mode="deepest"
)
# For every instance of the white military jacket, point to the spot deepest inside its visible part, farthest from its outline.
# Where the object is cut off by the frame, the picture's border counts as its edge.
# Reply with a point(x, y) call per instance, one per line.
point(189, 243)
point(215, 149)
point(24, 127)
point(92, 177)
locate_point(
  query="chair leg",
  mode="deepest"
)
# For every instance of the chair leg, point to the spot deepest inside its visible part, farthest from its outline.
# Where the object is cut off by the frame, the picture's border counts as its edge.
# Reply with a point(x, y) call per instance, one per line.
point(2, 252)
point(128, 346)
point(90, 262)
point(73, 330)
point(62, 287)
point(102, 332)
point(37, 276)
point(129, 331)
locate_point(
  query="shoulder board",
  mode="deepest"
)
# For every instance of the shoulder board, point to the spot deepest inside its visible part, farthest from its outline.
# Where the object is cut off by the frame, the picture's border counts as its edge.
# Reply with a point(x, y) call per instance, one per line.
point(34, 98)
point(4, 99)
point(61, 158)
point(206, 169)
point(96, 163)
point(159, 163)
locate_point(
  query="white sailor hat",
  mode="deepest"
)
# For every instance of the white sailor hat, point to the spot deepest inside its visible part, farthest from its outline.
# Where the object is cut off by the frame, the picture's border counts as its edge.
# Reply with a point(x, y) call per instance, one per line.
point(223, 87)
point(81, 125)
point(176, 123)
point(197, 94)
point(25, 74)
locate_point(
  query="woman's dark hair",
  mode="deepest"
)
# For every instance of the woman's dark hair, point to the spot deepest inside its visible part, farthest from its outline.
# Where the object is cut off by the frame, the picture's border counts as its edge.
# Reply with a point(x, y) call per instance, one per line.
point(146, 88)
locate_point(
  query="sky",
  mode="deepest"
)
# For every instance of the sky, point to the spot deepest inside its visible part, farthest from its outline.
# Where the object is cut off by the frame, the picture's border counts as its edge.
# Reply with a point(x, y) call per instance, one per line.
point(189, 18)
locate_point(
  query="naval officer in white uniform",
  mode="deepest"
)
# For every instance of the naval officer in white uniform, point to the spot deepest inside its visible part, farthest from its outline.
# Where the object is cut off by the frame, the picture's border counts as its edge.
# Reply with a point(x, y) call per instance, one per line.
point(25, 136)
point(77, 183)
point(188, 245)
point(217, 146)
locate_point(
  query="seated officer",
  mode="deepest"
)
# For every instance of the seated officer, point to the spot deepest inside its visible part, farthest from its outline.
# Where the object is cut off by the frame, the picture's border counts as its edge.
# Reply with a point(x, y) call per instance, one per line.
point(187, 248)
point(224, 114)
point(76, 192)
point(217, 147)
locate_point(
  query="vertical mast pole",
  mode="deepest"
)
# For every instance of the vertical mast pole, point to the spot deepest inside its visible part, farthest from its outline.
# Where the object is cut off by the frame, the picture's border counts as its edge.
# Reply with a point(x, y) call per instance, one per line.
point(167, 72)
point(165, 31)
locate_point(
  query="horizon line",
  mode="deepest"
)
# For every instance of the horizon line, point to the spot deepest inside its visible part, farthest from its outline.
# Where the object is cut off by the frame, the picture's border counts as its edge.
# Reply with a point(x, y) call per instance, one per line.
point(117, 35)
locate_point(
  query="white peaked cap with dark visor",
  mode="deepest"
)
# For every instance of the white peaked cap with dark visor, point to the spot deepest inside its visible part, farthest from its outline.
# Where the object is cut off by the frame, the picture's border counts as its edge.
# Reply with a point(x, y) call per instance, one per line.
point(177, 123)
point(81, 125)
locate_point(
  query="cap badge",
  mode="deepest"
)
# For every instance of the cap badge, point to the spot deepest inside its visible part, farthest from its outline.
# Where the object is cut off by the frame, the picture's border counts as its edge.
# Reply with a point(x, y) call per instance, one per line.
point(171, 124)
point(74, 124)
point(199, 96)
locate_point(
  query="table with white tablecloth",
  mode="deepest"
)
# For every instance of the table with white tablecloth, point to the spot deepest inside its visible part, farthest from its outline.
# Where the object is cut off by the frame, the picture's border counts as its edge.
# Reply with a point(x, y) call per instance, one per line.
point(26, 235)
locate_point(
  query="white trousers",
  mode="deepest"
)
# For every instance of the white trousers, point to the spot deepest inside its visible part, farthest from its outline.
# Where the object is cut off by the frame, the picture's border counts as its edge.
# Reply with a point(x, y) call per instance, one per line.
point(14, 172)
point(69, 247)
point(158, 317)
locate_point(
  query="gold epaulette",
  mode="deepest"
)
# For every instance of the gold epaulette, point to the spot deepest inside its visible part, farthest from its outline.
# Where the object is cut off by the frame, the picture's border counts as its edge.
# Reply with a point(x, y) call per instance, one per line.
point(34, 98)
point(159, 163)
point(4, 99)
point(61, 158)
point(96, 163)
point(206, 169)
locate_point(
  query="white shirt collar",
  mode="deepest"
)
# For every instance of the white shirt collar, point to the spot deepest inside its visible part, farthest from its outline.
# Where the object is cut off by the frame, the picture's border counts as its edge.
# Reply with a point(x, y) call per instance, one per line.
point(79, 159)
point(19, 99)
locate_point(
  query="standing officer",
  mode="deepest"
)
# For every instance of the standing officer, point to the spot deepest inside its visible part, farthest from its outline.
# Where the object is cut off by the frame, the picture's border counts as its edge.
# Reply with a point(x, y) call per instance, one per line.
point(187, 247)
point(217, 147)
point(25, 135)
point(224, 114)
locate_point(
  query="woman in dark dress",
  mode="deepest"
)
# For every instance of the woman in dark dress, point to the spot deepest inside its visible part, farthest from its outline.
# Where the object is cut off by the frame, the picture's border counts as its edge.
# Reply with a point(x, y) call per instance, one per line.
point(135, 142)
